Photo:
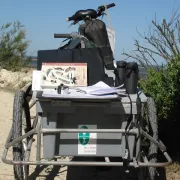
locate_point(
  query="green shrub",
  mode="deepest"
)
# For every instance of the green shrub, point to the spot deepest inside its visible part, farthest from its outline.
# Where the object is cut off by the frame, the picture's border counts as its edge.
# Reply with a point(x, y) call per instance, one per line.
point(13, 46)
point(164, 86)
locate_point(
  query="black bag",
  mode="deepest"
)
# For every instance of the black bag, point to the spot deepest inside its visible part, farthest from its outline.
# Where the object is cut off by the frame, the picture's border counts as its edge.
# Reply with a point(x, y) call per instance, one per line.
point(96, 32)
point(91, 56)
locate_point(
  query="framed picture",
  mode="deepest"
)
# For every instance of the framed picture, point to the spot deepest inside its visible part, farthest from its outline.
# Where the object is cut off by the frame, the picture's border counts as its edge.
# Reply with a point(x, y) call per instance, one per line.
point(70, 74)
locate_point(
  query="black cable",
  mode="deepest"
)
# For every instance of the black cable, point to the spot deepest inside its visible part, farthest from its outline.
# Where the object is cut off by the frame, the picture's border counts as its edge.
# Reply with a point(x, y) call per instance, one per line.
point(138, 120)
point(129, 119)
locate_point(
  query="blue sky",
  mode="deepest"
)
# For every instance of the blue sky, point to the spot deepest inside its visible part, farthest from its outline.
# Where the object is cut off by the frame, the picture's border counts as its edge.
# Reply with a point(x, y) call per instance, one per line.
point(43, 18)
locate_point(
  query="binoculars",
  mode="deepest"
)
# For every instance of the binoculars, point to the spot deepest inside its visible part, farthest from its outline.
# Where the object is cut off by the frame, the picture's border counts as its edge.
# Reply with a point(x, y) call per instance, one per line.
point(127, 74)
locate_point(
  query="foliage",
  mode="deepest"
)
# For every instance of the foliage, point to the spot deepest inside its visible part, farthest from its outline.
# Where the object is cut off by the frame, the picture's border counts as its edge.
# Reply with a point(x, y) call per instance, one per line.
point(13, 46)
point(164, 86)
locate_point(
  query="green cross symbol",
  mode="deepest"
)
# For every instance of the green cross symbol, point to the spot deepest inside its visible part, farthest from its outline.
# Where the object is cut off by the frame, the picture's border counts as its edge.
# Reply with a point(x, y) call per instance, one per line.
point(84, 137)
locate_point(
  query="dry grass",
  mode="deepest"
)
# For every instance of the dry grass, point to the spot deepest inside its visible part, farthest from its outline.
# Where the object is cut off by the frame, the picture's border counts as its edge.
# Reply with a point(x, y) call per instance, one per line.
point(173, 172)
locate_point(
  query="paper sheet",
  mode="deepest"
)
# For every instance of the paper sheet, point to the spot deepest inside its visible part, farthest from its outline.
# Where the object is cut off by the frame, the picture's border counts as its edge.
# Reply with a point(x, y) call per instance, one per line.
point(101, 88)
point(36, 80)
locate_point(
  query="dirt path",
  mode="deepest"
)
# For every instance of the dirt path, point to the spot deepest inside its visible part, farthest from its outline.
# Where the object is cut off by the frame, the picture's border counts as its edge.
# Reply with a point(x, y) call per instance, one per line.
point(42, 173)
point(5, 124)
point(6, 171)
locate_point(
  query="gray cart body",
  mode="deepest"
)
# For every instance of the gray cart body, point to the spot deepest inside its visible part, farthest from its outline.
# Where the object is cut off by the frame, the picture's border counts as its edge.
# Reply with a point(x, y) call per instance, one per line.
point(94, 114)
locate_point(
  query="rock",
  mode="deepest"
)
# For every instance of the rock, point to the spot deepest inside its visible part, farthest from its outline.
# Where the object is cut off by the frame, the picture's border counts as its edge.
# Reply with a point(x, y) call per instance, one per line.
point(14, 80)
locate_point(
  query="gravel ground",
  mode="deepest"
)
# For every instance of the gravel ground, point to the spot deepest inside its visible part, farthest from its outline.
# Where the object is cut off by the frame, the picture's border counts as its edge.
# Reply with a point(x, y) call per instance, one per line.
point(57, 173)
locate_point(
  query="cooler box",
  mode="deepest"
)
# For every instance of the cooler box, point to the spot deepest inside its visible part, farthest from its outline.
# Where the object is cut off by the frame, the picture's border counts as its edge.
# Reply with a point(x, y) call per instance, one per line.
point(87, 115)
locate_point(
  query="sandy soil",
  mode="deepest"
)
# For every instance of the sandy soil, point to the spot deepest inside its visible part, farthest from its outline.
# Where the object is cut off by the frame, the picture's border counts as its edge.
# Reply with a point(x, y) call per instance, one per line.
point(57, 173)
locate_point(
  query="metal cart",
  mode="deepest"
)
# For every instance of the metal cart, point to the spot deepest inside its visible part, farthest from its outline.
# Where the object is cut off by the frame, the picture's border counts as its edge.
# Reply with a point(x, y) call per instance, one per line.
point(124, 128)
point(87, 128)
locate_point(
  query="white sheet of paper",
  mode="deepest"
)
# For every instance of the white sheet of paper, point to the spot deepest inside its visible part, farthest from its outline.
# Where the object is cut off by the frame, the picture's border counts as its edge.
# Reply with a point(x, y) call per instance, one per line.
point(101, 88)
point(36, 80)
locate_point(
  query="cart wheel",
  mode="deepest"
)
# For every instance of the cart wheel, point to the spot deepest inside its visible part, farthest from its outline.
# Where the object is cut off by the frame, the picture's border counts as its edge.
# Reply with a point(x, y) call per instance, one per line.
point(153, 149)
point(21, 125)
point(153, 131)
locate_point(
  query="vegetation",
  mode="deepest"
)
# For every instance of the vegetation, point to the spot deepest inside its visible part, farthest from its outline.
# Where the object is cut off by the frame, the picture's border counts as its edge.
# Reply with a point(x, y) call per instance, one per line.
point(162, 43)
point(164, 86)
point(13, 46)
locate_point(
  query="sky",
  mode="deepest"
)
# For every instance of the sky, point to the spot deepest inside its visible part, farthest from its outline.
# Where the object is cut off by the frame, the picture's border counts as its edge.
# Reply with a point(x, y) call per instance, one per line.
point(43, 18)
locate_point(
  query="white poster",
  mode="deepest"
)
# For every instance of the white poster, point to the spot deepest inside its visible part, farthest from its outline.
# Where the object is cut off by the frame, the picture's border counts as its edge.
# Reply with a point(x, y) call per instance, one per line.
point(36, 80)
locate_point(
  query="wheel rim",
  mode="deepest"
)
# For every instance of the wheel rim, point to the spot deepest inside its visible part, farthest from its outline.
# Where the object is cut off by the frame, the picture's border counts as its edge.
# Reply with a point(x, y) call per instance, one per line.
point(24, 142)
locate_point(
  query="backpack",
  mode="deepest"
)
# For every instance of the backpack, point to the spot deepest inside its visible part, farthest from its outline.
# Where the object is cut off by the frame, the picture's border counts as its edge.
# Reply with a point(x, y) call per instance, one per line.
point(95, 31)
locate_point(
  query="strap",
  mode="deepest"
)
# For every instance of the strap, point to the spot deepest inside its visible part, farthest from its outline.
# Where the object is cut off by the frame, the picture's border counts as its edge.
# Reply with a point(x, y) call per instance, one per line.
point(84, 26)
point(106, 56)
point(108, 17)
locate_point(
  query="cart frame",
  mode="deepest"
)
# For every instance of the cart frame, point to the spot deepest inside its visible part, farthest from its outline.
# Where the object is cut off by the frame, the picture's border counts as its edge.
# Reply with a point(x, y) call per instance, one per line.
point(38, 130)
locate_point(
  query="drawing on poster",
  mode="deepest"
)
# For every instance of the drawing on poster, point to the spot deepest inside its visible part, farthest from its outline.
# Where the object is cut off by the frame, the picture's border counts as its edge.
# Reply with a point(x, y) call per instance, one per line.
point(71, 74)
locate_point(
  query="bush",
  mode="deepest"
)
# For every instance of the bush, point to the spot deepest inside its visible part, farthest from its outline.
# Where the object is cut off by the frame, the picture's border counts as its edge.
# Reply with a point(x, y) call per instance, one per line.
point(13, 46)
point(164, 86)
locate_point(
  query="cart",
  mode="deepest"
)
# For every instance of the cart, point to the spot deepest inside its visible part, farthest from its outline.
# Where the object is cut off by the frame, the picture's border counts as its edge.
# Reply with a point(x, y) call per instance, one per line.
point(124, 128)
point(62, 123)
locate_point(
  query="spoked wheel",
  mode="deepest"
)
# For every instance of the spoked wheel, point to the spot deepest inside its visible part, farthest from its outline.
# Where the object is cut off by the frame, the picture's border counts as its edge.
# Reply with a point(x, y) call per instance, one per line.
point(152, 129)
point(21, 125)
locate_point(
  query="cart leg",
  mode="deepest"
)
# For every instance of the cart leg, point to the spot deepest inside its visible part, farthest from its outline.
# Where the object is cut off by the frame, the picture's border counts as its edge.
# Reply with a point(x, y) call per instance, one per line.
point(38, 152)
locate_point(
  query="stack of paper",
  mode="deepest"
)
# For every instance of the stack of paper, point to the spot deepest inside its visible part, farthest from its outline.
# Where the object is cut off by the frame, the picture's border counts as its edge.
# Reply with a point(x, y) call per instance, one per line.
point(101, 89)
point(74, 94)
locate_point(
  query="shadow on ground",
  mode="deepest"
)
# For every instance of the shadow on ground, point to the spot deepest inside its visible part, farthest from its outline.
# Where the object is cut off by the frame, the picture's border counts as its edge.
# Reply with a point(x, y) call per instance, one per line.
point(50, 173)
point(170, 135)
point(91, 173)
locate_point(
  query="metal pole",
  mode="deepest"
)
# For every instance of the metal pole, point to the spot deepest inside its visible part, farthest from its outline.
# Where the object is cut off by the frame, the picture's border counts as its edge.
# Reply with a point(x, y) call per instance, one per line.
point(132, 131)
point(82, 163)
point(160, 145)
point(27, 153)
point(33, 131)
point(38, 128)
point(32, 104)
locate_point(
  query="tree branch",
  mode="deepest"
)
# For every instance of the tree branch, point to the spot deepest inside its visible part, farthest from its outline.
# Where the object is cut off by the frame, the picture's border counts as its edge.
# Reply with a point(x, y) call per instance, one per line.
point(162, 39)
point(165, 36)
